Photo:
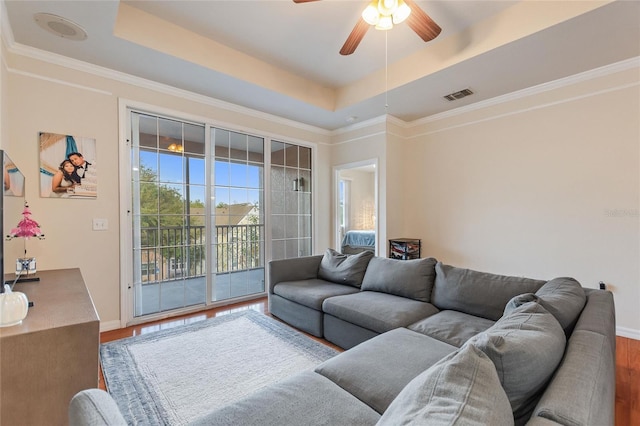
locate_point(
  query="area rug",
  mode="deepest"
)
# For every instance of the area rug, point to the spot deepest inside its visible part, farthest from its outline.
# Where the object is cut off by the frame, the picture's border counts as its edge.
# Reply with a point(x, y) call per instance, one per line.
point(177, 375)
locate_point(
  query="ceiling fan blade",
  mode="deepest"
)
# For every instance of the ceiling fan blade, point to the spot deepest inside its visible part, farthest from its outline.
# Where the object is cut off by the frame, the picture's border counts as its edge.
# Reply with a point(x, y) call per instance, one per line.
point(421, 23)
point(355, 37)
point(303, 1)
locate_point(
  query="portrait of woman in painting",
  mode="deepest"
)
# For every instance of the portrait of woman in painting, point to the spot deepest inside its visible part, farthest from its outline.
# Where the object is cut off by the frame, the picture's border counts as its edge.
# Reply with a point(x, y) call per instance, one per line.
point(65, 178)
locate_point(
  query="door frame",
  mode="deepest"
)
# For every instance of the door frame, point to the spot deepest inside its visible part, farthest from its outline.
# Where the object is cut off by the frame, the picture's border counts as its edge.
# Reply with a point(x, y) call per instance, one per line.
point(336, 190)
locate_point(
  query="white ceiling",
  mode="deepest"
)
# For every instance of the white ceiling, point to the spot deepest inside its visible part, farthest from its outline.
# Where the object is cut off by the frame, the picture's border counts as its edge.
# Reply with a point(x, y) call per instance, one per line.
point(282, 58)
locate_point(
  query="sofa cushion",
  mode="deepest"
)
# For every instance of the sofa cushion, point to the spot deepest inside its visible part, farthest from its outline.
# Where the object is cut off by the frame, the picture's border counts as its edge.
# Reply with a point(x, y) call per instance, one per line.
point(452, 327)
point(377, 312)
point(477, 293)
point(94, 407)
point(582, 392)
point(377, 370)
point(463, 388)
point(311, 293)
point(564, 298)
point(304, 399)
point(526, 347)
point(407, 278)
point(345, 269)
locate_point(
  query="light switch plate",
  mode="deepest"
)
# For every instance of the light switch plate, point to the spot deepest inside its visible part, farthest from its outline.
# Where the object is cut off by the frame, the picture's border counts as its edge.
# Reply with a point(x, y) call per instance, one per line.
point(100, 224)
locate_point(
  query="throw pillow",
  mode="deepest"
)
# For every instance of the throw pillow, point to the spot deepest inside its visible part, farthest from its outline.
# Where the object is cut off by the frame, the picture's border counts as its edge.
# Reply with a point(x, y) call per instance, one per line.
point(477, 293)
point(407, 278)
point(519, 300)
point(526, 347)
point(462, 388)
point(346, 269)
point(564, 298)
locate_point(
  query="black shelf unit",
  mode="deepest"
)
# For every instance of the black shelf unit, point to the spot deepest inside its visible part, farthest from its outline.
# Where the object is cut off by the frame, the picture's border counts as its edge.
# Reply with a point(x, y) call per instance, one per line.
point(404, 248)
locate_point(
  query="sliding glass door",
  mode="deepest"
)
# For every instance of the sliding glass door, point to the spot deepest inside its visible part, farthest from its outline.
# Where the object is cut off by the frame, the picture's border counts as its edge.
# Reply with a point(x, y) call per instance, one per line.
point(199, 216)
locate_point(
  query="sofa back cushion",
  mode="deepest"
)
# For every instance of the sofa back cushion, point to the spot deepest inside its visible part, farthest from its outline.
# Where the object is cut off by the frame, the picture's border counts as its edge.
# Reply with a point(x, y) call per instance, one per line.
point(346, 269)
point(526, 347)
point(462, 388)
point(407, 278)
point(477, 293)
point(564, 298)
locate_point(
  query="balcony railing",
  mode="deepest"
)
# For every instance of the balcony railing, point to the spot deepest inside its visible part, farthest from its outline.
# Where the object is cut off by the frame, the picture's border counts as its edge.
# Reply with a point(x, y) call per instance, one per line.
point(176, 252)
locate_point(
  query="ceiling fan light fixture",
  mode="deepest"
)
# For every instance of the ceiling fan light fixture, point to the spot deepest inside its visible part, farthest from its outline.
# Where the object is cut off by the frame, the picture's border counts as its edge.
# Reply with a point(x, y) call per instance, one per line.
point(387, 7)
point(385, 23)
point(402, 12)
point(174, 147)
point(370, 14)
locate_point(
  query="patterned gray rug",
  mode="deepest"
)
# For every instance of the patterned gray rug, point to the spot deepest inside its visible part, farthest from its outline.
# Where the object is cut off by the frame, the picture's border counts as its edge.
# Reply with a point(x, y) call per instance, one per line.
point(174, 376)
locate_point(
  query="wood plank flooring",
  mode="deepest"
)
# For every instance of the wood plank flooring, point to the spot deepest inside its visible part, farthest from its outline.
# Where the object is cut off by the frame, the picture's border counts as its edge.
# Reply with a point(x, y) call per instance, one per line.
point(627, 355)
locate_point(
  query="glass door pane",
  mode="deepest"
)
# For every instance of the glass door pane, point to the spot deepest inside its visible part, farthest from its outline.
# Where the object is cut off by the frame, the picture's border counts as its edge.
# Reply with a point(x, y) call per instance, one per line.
point(168, 214)
point(238, 215)
point(290, 200)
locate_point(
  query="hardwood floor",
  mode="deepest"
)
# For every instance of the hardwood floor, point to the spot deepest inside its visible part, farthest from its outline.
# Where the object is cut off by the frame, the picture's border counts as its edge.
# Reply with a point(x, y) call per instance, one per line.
point(627, 355)
point(627, 381)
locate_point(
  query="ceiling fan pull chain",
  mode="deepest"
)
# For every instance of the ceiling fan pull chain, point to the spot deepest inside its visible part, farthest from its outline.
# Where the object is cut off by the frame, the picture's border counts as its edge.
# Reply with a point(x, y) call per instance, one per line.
point(386, 72)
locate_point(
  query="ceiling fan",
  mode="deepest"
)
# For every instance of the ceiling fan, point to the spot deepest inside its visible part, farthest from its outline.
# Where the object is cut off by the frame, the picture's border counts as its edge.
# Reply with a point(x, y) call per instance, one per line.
point(383, 14)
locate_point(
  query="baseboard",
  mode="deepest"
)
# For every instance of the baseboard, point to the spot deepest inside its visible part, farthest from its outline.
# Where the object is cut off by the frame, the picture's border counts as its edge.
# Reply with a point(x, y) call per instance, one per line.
point(109, 325)
point(629, 333)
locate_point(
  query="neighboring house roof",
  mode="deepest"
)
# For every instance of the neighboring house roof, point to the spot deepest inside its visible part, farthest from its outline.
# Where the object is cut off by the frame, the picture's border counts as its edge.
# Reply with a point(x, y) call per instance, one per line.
point(233, 214)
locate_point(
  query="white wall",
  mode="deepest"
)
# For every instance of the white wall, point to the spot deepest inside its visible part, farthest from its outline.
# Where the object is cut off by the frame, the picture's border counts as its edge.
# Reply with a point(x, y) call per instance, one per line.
point(542, 186)
point(44, 97)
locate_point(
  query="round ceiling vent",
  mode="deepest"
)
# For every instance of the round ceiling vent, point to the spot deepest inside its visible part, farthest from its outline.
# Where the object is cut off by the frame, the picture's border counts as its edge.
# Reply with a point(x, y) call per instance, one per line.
point(60, 26)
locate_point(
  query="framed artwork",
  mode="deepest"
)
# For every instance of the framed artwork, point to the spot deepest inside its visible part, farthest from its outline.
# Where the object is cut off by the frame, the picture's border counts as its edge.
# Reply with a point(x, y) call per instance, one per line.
point(68, 166)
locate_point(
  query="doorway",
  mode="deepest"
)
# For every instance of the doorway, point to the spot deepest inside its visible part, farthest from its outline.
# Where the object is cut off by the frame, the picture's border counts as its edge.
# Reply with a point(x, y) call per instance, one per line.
point(356, 207)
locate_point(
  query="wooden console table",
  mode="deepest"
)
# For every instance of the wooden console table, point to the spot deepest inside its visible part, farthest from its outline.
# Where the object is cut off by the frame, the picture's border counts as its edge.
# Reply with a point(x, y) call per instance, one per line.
point(53, 354)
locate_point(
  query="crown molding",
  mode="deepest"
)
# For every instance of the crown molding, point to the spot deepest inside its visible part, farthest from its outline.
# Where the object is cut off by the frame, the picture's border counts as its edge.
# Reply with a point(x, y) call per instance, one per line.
point(534, 90)
point(361, 125)
point(63, 61)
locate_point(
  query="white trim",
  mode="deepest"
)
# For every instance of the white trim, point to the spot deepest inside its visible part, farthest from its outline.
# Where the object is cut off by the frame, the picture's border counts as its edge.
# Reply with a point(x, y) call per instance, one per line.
point(110, 325)
point(534, 90)
point(63, 61)
point(58, 81)
point(125, 106)
point(361, 125)
point(520, 94)
point(334, 197)
point(199, 119)
point(629, 333)
point(124, 166)
point(528, 109)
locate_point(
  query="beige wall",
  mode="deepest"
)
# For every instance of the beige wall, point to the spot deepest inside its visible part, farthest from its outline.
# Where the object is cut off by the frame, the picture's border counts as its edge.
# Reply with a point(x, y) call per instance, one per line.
point(46, 97)
point(543, 186)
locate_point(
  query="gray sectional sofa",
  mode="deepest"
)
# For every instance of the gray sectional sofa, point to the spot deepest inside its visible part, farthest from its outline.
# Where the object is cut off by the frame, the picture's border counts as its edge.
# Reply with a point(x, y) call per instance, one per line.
point(553, 342)
point(428, 344)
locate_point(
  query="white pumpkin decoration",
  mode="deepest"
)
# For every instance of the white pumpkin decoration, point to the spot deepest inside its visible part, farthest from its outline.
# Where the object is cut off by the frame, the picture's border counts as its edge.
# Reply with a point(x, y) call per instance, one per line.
point(13, 307)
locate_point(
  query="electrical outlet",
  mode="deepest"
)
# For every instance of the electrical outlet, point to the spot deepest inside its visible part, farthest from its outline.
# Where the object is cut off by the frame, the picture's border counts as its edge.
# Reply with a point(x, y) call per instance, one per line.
point(100, 224)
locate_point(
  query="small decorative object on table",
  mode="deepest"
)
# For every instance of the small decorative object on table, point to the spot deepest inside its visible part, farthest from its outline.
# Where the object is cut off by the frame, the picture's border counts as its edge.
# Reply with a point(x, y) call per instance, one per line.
point(26, 229)
point(13, 307)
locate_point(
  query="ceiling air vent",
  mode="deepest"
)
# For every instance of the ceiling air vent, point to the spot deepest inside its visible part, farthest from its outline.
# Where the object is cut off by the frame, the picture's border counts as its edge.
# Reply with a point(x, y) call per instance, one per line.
point(458, 95)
